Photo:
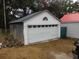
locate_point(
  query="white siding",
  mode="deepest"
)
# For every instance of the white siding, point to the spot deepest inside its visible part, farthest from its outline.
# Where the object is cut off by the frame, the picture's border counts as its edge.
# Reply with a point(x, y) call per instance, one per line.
point(39, 34)
point(39, 20)
point(25, 35)
point(72, 29)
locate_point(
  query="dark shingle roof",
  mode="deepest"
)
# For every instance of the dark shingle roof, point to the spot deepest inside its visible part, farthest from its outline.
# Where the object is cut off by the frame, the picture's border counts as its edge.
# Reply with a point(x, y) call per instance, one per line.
point(30, 16)
point(25, 18)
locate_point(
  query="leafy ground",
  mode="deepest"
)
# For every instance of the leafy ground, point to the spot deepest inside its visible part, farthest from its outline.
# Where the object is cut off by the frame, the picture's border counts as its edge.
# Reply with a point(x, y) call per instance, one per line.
point(59, 49)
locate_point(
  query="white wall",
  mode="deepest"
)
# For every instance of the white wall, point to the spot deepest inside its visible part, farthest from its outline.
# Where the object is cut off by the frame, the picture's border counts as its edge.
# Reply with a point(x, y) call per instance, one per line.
point(25, 35)
point(39, 20)
point(72, 29)
point(41, 33)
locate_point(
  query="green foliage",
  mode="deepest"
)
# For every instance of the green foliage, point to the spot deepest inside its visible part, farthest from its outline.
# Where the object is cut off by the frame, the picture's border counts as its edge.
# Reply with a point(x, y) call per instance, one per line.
point(58, 8)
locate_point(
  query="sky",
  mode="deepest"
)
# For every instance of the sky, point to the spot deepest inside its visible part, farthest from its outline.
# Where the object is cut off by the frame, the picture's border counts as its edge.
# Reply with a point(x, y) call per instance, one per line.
point(74, 0)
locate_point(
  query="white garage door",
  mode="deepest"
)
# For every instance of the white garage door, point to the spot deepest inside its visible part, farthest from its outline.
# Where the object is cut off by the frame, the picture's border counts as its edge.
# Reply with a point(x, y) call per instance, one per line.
point(38, 33)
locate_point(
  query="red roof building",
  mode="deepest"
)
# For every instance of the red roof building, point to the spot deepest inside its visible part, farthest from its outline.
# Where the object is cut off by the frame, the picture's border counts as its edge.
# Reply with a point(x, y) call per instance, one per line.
point(72, 17)
point(71, 22)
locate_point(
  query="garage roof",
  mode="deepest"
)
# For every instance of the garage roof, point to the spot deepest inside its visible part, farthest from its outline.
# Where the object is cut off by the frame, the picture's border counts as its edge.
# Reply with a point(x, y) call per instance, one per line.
point(30, 16)
point(69, 18)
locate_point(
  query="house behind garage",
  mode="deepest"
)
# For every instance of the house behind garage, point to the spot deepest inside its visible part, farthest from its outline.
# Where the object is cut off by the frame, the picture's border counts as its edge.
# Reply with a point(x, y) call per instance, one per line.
point(71, 22)
point(35, 27)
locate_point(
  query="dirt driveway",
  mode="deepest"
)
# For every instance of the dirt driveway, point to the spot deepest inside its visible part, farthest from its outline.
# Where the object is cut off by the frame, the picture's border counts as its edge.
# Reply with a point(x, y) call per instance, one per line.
point(59, 49)
point(61, 56)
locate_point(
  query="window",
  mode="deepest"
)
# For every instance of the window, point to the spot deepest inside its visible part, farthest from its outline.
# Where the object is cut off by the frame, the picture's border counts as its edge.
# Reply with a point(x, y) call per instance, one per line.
point(39, 26)
point(50, 25)
point(45, 19)
point(34, 26)
point(46, 25)
point(55, 25)
point(42, 25)
point(29, 26)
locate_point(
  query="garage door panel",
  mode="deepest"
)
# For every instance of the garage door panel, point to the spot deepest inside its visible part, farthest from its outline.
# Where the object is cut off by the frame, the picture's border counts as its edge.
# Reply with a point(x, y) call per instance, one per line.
point(42, 33)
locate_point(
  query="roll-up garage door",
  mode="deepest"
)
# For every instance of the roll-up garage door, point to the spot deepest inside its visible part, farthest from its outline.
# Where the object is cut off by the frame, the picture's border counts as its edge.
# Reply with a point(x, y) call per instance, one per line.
point(38, 33)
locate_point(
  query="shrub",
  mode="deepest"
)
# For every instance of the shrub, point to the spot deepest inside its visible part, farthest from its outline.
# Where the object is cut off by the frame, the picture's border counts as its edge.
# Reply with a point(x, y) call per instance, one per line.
point(10, 41)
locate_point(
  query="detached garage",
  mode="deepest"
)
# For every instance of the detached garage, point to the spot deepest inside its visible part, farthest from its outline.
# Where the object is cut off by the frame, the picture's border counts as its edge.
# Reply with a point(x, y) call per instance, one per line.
point(71, 22)
point(36, 27)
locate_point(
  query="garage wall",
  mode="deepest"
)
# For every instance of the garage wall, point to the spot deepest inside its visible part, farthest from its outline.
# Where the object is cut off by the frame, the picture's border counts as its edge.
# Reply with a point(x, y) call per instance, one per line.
point(38, 19)
point(32, 35)
point(72, 29)
point(16, 30)
point(25, 34)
